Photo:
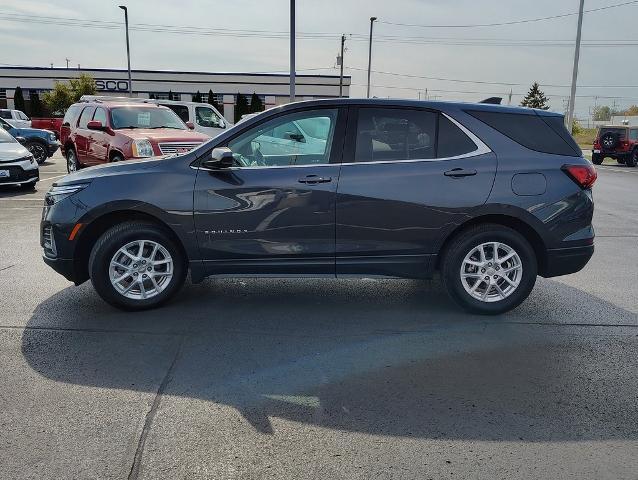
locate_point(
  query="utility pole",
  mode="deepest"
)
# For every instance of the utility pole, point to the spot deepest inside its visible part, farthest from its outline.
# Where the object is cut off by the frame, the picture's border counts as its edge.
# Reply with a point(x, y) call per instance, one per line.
point(51, 65)
point(372, 19)
point(509, 98)
point(292, 50)
point(128, 52)
point(67, 62)
point(343, 41)
point(572, 96)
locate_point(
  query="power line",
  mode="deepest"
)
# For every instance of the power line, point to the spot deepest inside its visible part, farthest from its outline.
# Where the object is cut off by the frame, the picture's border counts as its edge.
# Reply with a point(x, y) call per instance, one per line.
point(513, 22)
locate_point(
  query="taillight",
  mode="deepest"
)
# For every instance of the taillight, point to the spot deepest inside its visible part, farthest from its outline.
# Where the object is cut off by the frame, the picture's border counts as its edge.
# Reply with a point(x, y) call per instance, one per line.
point(583, 175)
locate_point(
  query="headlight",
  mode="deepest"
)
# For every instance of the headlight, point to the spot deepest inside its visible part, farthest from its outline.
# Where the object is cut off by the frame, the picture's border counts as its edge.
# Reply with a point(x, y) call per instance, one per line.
point(58, 193)
point(52, 137)
point(142, 148)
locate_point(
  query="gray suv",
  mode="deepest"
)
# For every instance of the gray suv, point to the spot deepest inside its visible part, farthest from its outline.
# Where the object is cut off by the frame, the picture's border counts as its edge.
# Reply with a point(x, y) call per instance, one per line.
point(488, 196)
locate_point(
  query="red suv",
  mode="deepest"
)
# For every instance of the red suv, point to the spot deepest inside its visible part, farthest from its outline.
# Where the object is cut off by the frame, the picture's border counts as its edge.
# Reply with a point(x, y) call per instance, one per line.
point(619, 142)
point(95, 132)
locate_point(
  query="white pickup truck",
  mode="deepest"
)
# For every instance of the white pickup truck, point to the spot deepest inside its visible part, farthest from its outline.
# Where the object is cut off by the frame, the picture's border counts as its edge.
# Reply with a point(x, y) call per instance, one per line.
point(16, 118)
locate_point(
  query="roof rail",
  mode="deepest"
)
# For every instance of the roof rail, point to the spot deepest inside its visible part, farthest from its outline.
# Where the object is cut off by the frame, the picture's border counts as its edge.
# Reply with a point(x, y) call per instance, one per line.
point(492, 100)
point(107, 98)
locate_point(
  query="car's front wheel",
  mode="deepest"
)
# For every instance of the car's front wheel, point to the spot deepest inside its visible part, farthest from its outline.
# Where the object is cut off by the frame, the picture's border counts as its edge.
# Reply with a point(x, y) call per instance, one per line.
point(38, 151)
point(136, 265)
point(489, 269)
point(72, 163)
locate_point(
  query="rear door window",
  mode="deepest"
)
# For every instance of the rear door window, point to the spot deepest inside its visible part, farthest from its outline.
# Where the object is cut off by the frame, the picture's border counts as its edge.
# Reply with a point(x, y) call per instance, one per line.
point(395, 134)
point(180, 110)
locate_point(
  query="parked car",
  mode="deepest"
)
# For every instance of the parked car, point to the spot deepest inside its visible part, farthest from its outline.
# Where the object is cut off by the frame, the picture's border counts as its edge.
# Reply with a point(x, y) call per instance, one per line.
point(52, 124)
point(96, 132)
point(619, 142)
point(401, 189)
point(15, 117)
point(41, 143)
point(203, 117)
point(17, 165)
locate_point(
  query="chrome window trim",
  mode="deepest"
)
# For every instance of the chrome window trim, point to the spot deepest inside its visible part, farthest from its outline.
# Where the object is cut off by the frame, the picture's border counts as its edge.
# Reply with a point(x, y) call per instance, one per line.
point(481, 149)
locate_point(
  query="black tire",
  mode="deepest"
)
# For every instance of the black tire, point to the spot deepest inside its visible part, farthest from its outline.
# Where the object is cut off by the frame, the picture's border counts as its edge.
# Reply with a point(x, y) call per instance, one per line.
point(117, 158)
point(597, 159)
point(38, 150)
point(467, 240)
point(632, 158)
point(621, 160)
point(72, 162)
point(115, 238)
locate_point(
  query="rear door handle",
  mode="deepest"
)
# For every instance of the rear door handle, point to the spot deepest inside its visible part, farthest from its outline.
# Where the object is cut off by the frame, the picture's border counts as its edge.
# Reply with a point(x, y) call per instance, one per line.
point(459, 172)
point(312, 179)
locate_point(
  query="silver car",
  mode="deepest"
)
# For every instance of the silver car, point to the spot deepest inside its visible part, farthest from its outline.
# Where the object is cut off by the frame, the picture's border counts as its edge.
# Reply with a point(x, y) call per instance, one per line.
point(17, 165)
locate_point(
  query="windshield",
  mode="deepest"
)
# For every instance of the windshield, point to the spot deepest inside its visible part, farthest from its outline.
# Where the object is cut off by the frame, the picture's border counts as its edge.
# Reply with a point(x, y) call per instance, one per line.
point(5, 137)
point(145, 117)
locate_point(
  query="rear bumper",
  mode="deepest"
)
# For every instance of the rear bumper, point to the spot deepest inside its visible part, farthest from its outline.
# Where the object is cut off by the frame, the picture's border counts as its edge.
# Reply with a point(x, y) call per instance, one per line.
point(562, 261)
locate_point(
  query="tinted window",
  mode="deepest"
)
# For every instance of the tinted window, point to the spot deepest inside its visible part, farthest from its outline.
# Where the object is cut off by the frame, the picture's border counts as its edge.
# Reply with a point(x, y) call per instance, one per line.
point(5, 114)
point(86, 115)
point(557, 123)
point(619, 132)
point(100, 115)
point(633, 134)
point(529, 130)
point(206, 117)
point(71, 115)
point(180, 110)
point(451, 140)
point(385, 134)
point(280, 141)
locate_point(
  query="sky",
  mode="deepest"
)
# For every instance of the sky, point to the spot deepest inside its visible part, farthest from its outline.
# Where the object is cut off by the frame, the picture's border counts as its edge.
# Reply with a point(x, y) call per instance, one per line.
point(412, 39)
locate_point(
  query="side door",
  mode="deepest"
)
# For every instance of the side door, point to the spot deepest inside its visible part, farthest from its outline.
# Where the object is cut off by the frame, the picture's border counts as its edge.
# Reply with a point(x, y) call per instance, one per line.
point(98, 140)
point(271, 213)
point(82, 133)
point(408, 177)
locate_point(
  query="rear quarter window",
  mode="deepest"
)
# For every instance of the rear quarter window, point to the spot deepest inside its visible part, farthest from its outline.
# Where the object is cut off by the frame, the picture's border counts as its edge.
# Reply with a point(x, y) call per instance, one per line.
point(621, 133)
point(547, 135)
point(71, 115)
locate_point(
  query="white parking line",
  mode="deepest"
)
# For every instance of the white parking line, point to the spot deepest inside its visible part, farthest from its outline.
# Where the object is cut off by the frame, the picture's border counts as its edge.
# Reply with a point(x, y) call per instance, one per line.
point(52, 178)
point(621, 170)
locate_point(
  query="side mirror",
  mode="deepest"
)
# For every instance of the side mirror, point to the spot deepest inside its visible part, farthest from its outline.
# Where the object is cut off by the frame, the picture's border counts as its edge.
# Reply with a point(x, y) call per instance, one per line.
point(190, 125)
point(95, 125)
point(220, 157)
point(22, 140)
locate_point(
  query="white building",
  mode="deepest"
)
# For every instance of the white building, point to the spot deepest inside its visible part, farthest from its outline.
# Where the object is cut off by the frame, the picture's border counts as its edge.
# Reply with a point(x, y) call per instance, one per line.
point(273, 89)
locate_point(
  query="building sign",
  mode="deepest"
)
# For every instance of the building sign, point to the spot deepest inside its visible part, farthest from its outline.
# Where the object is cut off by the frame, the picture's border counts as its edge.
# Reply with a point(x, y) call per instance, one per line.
point(102, 85)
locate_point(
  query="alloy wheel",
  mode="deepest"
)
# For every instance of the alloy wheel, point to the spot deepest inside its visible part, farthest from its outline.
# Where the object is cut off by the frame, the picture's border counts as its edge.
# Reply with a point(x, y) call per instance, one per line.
point(71, 162)
point(141, 269)
point(491, 271)
point(38, 152)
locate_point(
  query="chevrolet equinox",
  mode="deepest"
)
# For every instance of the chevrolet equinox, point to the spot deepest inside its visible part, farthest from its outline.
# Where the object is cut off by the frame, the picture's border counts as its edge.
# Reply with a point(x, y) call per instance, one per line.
point(488, 196)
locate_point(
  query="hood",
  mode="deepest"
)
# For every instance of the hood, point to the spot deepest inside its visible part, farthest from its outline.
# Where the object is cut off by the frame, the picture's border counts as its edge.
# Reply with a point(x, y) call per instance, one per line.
point(164, 134)
point(11, 151)
point(21, 132)
point(113, 169)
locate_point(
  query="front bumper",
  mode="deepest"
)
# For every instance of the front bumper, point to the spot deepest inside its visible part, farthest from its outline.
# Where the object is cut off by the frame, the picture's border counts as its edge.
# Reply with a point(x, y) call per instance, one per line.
point(52, 147)
point(20, 172)
point(562, 261)
point(64, 266)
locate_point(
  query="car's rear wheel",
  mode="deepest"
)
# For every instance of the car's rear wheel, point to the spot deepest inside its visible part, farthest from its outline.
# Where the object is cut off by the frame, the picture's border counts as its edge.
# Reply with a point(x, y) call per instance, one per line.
point(597, 159)
point(38, 151)
point(632, 158)
point(72, 163)
point(489, 269)
point(117, 158)
point(135, 266)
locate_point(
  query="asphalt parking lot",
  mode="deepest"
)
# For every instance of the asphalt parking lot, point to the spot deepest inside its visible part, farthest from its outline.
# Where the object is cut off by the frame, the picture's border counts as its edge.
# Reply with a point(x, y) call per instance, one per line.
point(320, 379)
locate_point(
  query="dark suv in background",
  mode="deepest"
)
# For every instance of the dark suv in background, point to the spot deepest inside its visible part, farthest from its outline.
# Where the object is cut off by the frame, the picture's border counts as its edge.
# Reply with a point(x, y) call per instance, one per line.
point(487, 195)
point(619, 142)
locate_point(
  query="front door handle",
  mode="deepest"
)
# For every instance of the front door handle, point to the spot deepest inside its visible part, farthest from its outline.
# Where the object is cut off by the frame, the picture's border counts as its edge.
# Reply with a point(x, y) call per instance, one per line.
point(312, 179)
point(459, 172)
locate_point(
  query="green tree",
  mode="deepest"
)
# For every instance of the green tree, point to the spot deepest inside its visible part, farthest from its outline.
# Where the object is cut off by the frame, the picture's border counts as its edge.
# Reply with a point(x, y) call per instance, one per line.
point(256, 105)
point(64, 95)
point(602, 113)
point(241, 107)
point(633, 110)
point(212, 99)
point(36, 104)
point(577, 128)
point(197, 97)
point(535, 98)
point(18, 99)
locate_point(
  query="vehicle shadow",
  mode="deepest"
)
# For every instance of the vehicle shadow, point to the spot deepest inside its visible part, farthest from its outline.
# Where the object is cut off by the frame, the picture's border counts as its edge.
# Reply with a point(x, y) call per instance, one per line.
point(8, 191)
point(380, 357)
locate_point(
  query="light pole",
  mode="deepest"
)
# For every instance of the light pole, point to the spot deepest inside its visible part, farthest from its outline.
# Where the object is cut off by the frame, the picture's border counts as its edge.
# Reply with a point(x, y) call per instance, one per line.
point(572, 95)
point(128, 52)
point(372, 19)
point(292, 50)
point(343, 41)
